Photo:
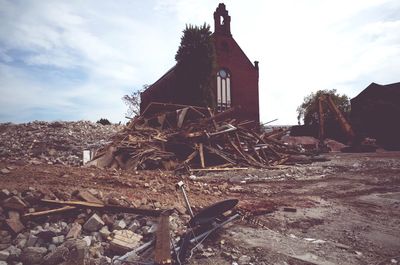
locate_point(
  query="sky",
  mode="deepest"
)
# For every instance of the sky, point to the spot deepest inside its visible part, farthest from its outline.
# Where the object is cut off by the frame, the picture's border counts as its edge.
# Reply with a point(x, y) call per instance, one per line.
point(74, 60)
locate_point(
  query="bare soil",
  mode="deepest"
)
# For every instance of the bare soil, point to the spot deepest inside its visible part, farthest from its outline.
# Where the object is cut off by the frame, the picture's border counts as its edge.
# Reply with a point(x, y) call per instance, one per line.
point(343, 211)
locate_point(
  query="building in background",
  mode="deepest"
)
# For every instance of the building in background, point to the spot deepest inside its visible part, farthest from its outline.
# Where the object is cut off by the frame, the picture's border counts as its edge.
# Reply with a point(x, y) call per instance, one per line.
point(375, 112)
point(235, 79)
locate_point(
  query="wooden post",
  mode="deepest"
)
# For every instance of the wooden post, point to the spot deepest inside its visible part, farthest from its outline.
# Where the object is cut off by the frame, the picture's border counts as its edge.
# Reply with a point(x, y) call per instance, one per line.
point(201, 155)
point(162, 253)
point(211, 116)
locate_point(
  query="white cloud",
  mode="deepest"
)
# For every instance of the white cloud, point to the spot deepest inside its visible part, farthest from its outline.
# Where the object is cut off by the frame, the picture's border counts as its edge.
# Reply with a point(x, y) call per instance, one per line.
point(114, 47)
point(310, 45)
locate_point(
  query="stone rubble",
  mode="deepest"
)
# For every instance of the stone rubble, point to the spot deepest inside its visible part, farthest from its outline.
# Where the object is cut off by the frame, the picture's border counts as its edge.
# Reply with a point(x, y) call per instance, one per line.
point(83, 236)
point(93, 224)
point(57, 142)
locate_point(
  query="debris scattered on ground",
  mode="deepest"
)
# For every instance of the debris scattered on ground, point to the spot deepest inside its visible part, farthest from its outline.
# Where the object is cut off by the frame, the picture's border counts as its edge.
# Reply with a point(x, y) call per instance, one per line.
point(40, 230)
point(77, 233)
point(320, 213)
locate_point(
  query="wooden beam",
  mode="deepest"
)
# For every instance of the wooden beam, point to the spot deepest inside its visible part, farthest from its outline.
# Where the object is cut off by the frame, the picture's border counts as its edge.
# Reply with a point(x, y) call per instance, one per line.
point(181, 113)
point(220, 115)
point(218, 169)
point(236, 148)
point(238, 142)
point(162, 253)
point(48, 212)
point(258, 156)
point(212, 115)
point(111, 208)
point(220, 154)
point(265, 156)
point(190, 157)
point(274, 152)
point(201, 155)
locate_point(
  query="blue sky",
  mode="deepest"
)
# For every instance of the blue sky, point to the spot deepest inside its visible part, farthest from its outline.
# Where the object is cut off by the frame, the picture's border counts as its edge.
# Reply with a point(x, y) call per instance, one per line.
point(73, 60)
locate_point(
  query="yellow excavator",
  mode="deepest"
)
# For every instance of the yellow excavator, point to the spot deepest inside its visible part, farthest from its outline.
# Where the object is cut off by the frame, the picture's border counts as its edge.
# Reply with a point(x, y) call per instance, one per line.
point(355, 142)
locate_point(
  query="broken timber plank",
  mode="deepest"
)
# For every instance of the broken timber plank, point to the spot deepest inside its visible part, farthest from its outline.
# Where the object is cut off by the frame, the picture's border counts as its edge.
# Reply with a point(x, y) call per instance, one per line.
point(237, 149)
point(181, 113)
point(274, 152)
point(201, 155)
point(281, 161)
point(194, 134)
point(104, 207)
point(219, 169)
point(212, 115)
point(258, 156)
point(162, 253)
point(197, 111)
point(86, 196)
point(220, 154)
point(190, 157)
point(229, 128)
point(249, 159)
point(238, 142)
point(219, 115)
point(52, 211)
point(265, 156)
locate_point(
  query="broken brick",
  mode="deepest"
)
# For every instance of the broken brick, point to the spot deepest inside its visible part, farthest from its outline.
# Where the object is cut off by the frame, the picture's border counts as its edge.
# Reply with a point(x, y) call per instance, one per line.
point(15, 225)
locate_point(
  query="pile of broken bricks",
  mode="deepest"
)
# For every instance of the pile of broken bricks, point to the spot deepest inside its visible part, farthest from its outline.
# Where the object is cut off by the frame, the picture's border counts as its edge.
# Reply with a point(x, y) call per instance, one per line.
point(57, 142)
point(89, 227)
point(40, 229)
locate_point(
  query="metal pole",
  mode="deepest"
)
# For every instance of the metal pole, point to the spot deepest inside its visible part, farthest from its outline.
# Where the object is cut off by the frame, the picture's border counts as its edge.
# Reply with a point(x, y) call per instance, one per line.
point(181, 185)
point(187, 202)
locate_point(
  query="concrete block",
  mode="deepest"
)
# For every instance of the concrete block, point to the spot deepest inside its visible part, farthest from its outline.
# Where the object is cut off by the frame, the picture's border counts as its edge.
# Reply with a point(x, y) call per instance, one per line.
point(87, 240)
point(14, 252)
point(124, 240)
point(94, 223)
point(4, 254)
point(57, 240)
point(57, 256)
point(104, 232)
point(32, 239)
point(119, 224)
point(33, 255)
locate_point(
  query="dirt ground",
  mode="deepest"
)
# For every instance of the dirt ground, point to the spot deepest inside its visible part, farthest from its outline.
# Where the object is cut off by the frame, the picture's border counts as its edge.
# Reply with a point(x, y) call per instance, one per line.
point(342, 211)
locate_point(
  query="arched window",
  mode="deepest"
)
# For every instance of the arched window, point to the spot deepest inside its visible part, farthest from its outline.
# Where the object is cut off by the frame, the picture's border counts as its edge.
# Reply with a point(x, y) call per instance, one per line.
point(223, 90)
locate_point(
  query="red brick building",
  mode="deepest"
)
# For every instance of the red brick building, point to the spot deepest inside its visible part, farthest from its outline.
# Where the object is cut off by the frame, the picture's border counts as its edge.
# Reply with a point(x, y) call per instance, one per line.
point(236, 77)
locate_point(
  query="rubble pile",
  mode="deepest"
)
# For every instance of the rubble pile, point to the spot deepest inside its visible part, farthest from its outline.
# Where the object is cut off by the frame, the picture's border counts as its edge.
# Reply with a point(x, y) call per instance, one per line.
point(192, 138)
point(52, 142)
point(37, 229)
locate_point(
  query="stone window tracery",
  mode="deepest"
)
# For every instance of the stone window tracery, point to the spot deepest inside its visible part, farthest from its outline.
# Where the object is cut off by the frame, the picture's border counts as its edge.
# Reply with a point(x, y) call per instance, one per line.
point(223, 90)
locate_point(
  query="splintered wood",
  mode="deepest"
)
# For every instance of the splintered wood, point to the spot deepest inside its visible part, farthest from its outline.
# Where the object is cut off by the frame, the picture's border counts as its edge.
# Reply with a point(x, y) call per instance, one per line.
point(190, 138)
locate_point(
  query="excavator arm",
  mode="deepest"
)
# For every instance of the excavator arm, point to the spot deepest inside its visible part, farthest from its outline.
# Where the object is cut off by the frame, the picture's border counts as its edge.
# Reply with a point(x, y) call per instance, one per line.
point(356, 144)
point(344, 124)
